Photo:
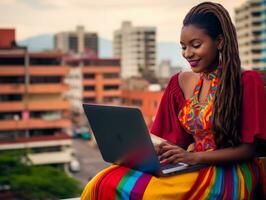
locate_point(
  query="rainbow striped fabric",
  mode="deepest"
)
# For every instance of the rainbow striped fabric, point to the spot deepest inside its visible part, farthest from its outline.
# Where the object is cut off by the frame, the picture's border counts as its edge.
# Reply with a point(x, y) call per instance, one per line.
point(238, 181)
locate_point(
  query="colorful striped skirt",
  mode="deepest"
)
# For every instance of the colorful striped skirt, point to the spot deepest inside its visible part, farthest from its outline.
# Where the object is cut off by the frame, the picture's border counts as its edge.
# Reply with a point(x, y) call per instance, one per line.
point(238, 181)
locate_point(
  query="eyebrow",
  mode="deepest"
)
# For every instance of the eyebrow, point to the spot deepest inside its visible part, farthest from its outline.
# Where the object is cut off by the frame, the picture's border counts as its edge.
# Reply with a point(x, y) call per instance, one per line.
point(190, 40)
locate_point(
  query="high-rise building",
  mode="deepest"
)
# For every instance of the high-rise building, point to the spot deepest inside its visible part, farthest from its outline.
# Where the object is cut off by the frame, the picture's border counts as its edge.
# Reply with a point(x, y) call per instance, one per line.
point(33, 112)
point(93, 80)
point(136, 47)
point(78, 41)
point(250, 22)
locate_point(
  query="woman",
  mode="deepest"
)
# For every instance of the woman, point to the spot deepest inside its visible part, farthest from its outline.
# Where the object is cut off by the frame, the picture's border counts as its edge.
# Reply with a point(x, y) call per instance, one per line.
point(215, 112)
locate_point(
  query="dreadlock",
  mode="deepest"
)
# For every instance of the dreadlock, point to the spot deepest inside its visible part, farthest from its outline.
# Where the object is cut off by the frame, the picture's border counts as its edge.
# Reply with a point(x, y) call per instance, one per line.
point(215, 20)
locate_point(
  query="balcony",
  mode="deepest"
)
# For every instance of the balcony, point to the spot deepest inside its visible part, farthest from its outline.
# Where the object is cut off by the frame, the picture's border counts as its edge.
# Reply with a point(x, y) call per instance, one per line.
point(102, 69)
point(48, 105)
point(34, 106)
point(49, 70)
point(33, 124)
point(51, 158)
point(48, 88)
point(11, 106)
point(12, 71)
point(112, 93)
point(12, 88)
point(89, 94)
point(112, 81)
point(33, 88)
point(34, 70)
point(36, 141)
point(88, 82)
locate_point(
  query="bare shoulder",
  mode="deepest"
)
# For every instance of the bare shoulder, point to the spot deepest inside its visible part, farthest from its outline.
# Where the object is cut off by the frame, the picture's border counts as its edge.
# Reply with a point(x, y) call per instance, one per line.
point(187, 78)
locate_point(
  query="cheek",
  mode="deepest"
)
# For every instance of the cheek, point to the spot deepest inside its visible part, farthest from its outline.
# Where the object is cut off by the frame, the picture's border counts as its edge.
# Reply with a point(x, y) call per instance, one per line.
point(183, 53)
point(208, 52)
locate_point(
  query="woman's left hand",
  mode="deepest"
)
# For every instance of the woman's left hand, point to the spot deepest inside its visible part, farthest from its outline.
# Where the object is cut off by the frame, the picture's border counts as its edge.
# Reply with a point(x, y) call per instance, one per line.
point(174, 154)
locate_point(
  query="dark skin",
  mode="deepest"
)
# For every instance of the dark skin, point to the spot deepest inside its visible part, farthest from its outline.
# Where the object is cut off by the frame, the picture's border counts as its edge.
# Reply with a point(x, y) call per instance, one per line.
point(202, 52)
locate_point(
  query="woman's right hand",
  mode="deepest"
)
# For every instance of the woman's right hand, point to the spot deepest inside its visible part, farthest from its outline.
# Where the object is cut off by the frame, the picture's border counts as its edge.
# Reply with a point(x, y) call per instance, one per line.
point(171, 153)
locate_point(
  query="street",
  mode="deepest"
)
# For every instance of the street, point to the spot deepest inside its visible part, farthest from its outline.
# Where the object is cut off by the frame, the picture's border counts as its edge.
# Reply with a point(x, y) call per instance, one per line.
point(90, 159)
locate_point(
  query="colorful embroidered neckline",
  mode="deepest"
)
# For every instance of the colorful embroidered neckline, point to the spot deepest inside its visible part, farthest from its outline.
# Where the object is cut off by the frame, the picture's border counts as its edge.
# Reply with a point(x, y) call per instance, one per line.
point(196, 116)
point(213, 76)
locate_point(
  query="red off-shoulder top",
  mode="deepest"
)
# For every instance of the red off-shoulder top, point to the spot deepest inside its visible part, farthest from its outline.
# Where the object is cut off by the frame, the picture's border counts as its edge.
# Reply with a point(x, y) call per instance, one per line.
point(253, 119)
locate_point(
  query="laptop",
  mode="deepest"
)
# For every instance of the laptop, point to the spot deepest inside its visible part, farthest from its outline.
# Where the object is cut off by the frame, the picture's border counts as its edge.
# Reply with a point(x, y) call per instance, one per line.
point(123, 138)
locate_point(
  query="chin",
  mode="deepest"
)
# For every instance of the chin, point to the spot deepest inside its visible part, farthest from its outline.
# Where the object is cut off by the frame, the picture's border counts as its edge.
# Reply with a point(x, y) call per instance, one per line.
point(196, 69)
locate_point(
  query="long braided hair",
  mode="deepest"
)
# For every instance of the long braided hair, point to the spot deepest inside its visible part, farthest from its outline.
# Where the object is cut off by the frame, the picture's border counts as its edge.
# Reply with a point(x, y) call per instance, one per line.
point(215, 20)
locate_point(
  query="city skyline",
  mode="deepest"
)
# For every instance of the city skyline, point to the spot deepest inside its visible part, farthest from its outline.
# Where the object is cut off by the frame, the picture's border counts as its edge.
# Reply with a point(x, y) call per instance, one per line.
point(34, 17)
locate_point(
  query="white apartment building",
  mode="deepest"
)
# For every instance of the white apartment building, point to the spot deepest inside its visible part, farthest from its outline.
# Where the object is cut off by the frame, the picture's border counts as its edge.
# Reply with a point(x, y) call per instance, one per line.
point(78, 41)
point(136, 47)
point(250, 22)
point(75, 81)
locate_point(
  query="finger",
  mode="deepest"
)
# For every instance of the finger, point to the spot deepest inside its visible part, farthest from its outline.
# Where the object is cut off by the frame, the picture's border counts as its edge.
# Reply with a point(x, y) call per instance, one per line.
point(169, 147)
point(161, 147)
point(167, 154)
point(173, 146)
point(171, 159)
point(163, 144)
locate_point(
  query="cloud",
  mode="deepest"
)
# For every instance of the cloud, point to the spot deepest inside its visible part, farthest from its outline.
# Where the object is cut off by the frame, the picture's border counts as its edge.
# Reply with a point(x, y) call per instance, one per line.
point(102, 16)
point(7, 2)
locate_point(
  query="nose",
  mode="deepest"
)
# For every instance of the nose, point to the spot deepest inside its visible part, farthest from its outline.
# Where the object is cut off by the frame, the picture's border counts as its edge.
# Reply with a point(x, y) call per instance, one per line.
point(188, 53)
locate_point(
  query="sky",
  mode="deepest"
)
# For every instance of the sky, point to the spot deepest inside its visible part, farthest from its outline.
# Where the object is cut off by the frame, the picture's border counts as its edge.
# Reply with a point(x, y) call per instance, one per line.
point(35, 17)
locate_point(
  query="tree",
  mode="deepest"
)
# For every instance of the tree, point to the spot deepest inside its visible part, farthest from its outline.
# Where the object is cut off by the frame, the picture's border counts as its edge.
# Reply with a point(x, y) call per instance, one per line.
point(35, 182)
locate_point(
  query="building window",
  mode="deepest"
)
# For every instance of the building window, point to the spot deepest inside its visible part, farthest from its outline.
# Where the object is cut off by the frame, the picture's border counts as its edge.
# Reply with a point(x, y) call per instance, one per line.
point(110, 75)
point(89, 87)
point(45, 79)
point(256, 51)
point(46, 149)
point(89, 100)
point(73, 43)
point(44, 132)
point(12, 79)
point(111, 87)
point(11, 135)
point(136, 102)
point(10, 97)
point(10, 116)
point(45, 61)
point(102, 62)
point(46, 115)
point(89, 76)
point(12, 61)
point(112, 99)
point(124, 101)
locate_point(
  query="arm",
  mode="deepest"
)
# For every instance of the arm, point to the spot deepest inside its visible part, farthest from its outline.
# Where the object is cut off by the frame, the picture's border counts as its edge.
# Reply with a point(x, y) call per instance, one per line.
point(243, 152)
point(174, 154)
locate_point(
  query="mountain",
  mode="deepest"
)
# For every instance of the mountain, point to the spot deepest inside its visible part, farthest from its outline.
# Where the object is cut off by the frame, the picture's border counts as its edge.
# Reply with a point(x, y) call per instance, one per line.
point(46, 42)
point(165, 50)
point(39, 42)
point(105, 48)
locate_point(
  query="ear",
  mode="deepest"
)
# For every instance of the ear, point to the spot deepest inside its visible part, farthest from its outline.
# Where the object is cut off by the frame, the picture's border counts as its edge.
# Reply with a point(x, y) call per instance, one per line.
point(220, 42)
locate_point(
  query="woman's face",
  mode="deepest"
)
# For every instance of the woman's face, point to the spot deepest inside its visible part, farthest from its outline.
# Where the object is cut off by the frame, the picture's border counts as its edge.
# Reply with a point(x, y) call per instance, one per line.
point(199, 49)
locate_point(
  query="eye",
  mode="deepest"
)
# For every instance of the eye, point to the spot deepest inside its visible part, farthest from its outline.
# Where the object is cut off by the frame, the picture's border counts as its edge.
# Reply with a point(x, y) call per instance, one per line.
point(183, 47)
point(196, 45)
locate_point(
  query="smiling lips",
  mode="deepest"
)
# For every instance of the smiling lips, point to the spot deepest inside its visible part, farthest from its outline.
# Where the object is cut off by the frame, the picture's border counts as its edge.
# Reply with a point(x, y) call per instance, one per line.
point(193, 63)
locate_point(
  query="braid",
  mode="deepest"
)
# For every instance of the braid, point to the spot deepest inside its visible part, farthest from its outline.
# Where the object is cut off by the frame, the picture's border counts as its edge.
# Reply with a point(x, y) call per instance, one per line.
point(227, 101)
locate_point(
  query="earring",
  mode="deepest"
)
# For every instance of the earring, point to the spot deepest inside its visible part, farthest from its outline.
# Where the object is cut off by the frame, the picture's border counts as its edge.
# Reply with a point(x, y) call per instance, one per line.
point(220, 58)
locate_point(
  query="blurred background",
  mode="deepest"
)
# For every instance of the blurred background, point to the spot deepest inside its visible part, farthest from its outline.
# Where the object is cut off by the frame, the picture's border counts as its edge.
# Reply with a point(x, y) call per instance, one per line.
point(56, 55)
